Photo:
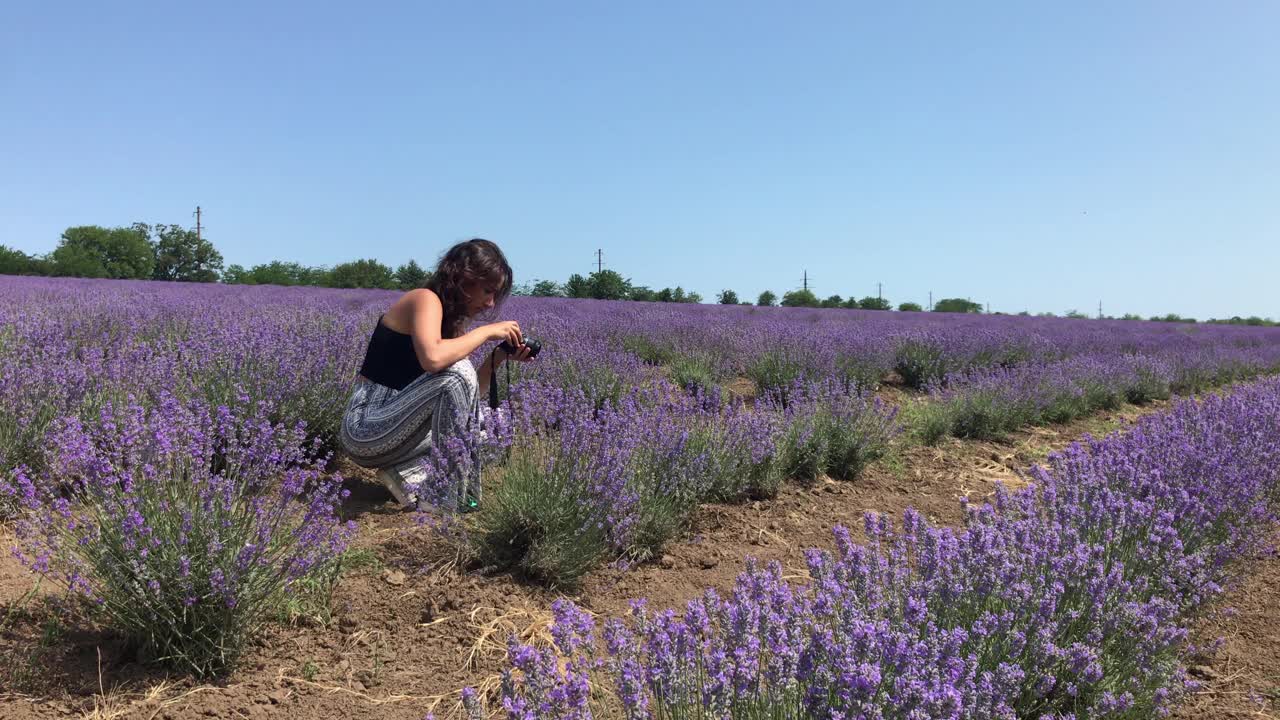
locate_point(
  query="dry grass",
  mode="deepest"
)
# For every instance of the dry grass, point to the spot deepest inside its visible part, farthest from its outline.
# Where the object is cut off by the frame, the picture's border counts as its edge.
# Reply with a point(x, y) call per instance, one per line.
point(529, 626)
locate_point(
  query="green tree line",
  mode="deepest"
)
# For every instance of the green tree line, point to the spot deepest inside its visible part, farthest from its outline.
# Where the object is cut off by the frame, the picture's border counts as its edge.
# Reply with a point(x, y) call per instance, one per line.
point(171, 252)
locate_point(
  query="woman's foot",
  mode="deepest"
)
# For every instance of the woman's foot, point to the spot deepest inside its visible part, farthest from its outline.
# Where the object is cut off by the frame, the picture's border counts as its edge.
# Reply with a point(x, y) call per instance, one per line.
point(390, 479)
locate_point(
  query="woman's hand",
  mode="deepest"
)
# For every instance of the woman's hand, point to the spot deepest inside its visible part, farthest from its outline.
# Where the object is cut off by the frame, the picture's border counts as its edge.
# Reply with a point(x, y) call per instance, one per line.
point(521, 355)
point(508, 331)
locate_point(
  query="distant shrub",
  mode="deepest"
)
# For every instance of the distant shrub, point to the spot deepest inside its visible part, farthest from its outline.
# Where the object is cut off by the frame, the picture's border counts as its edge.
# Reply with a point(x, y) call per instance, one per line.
point(1152, 379)
point(834, 434)
point(650, 351)
point(600, 383)
point(859, 373)
point(774, 370)
point(921, 361)
point(910, 307)
point(692, 373)
point(931, 421)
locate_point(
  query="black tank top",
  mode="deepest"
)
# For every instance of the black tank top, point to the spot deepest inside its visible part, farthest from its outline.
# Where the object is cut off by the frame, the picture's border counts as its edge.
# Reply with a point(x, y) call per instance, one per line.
point(390, 359)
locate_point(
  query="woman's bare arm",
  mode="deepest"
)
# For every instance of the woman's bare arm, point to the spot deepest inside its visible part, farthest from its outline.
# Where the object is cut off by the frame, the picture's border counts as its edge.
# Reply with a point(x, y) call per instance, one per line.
point(420, 314)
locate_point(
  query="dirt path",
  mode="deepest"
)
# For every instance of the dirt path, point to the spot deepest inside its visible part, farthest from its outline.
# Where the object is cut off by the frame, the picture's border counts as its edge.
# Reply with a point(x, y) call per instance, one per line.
point(406, 635)
point(1240, 678)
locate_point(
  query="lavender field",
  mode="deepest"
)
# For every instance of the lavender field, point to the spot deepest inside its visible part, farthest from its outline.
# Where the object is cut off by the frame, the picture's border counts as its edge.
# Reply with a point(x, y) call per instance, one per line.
point(168, 454)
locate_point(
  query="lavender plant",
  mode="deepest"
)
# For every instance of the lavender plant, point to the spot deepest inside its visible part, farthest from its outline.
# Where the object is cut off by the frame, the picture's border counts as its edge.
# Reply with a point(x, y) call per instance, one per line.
point(830, 433)
point(186, 525)
point(1067, 599)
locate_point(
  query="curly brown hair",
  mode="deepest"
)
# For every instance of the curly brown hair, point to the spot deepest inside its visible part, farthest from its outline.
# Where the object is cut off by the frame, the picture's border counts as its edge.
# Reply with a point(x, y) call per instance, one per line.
point(475, 260)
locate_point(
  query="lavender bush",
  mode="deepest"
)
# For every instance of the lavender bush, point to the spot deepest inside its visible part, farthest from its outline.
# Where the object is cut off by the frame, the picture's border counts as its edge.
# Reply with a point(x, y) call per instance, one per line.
point(585, 483)
point(828, 432)
point(990, 402)
point(1067, 599)
point(69, 348)
point(185, 524)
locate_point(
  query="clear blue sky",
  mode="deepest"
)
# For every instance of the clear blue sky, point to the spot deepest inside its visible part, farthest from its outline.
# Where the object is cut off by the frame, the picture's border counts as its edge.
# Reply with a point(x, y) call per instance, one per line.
point(1039, 156)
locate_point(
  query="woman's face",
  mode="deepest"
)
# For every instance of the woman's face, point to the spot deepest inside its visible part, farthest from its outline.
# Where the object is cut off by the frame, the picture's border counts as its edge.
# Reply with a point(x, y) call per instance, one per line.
point(480, 296)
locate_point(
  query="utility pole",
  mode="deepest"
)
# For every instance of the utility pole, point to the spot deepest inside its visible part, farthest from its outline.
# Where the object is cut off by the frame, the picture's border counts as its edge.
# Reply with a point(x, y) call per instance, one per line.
point(599, 260)
point(1099, 309)
point(930, 301)
point(197, 223)
point(806, 280)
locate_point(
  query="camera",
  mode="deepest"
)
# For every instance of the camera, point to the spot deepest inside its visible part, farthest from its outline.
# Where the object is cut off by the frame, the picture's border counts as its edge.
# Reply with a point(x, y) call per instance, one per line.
point(534, 346)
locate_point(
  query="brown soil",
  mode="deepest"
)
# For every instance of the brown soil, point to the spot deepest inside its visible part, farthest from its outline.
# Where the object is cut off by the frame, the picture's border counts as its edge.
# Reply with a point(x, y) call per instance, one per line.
point(407, 634)
point(1239, 670)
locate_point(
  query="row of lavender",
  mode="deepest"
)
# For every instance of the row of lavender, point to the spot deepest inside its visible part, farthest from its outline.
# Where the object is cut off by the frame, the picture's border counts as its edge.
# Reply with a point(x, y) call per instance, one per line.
point(1067, 599)
point(68, 346)
point(136, 414)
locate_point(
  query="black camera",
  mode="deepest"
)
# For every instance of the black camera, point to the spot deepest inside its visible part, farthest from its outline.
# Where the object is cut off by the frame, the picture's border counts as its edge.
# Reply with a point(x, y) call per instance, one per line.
point(534, 346)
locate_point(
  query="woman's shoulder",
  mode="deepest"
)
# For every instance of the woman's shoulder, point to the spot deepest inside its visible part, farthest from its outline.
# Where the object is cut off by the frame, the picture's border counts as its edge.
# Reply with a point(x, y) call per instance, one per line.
point(419, 295)
point(401, 315)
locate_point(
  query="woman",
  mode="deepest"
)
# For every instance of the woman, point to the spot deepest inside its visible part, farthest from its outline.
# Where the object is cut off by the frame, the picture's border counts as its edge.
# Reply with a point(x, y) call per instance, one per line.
point(417, 387)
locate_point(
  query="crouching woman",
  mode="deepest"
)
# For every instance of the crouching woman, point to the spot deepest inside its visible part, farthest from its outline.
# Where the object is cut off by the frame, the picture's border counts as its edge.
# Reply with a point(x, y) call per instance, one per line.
point(417, 387)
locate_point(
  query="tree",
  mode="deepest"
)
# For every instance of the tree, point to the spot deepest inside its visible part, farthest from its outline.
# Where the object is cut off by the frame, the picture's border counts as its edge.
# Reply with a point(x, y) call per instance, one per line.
point(411, 276)
point(608, 285)
point(1076, 315)
point(95, 251)
point(285, 273)
point(236, 275)
point(577, 287)
point(184, 257)
point(545, 288)
point(665, 295)
point(16, 262)
point(909, 307)
point(767, 299)
point(800, 298)
point(642, 293)
point(727, 297)
point(368, 273)
point(834, 301)
point(958, 305)
point(693, 298)
point(874, 303)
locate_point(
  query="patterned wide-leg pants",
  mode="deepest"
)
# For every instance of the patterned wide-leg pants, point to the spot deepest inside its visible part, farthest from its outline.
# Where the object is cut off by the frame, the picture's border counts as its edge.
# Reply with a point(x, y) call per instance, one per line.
point(387, 428)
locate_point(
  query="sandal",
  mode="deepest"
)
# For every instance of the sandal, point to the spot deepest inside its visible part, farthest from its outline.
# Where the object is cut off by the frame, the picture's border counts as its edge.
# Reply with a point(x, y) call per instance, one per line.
point(390, 479)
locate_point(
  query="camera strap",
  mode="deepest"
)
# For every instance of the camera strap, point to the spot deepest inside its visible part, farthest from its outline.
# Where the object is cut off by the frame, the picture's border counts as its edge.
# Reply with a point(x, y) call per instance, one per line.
point(493, 379)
